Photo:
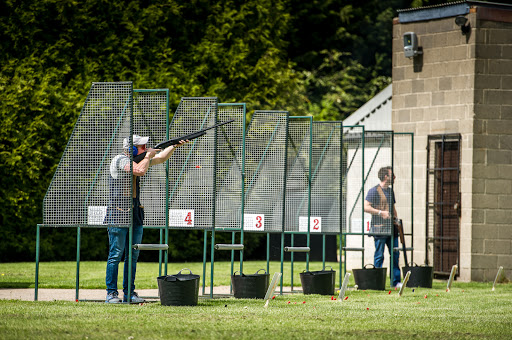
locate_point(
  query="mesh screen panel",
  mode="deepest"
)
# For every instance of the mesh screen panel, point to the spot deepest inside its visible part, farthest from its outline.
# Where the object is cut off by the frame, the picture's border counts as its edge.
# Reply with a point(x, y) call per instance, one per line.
point(377, 154)
point(297, 199)
point(229, 166)
point(150, 112)
point(191, 173)
point(353, 175)
point(402, 169)
point(326, 176)
point(81, 189)
point(81, 179)
point(265, 157)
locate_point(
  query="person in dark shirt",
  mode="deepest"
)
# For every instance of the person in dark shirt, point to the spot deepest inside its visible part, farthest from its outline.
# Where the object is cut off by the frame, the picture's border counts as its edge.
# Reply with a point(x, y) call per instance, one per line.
point(380, 202)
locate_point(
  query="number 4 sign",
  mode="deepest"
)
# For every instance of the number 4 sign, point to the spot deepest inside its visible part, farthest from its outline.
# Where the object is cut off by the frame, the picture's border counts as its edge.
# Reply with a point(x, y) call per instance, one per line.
point(315, 224)
point(254, 222)
point(181, 218)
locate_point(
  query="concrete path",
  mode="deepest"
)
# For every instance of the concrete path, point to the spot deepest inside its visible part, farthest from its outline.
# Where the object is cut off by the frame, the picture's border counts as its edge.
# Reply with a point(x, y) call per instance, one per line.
point(27, 294)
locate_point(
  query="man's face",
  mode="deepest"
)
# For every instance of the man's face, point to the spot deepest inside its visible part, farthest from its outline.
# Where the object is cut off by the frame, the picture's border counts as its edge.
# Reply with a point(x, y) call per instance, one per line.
point(141, 149)
point(390, 178)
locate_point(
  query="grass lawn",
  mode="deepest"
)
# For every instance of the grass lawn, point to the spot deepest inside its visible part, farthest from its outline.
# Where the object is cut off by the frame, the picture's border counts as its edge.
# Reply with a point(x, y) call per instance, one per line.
point(92, 274)
point(468, 311)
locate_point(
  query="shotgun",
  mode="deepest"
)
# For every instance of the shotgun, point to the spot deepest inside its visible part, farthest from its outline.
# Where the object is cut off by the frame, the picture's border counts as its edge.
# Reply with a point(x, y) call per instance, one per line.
point(191, 136)
point(400, 227)
point(177, 140)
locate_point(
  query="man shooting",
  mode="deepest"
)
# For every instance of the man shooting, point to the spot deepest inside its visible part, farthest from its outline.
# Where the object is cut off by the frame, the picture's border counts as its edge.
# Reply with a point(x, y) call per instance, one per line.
point(120, 207)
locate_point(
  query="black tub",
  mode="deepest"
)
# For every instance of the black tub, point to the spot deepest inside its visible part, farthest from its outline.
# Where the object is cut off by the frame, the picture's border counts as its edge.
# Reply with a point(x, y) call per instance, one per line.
point(318, 282)
point(421, 276)
point(179, 289)
point(370, 278)
point(250, 286)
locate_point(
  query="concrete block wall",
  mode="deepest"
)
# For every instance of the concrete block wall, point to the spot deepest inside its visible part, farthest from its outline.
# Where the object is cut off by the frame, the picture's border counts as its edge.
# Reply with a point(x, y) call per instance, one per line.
point(433, 94)
point(492, 147)
point(462, 84)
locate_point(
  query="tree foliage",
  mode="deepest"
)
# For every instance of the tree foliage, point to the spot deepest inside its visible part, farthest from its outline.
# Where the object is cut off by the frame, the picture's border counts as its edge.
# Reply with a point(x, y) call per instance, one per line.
point(323, 58)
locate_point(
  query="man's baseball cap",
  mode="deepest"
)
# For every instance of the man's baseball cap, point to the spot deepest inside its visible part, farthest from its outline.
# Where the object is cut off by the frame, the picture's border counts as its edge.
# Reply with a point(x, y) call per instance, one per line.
point(137, 140)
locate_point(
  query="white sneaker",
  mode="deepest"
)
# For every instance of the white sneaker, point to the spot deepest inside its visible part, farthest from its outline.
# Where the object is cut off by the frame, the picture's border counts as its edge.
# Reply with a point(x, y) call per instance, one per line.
point(398, 285)
point(134, 298)
point(113, 298)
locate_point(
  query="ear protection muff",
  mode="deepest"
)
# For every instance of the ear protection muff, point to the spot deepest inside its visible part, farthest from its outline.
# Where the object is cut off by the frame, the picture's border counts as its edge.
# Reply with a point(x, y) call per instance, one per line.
point(135, 151)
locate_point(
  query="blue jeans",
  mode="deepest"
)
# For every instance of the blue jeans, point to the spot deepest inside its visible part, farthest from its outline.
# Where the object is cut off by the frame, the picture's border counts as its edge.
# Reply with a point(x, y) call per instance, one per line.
point(378, 257)
point(118, 245)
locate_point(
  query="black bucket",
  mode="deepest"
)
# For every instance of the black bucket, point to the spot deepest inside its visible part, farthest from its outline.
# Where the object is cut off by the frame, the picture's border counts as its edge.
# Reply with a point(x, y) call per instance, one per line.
point(421, 276)
point(318, 282)
point(370, 278)
point(250, 286)
point(179, 289)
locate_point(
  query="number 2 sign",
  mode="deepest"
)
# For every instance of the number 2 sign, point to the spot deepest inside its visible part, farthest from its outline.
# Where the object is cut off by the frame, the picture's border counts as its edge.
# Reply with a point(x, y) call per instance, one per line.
point(315, 224)
point(254, 222)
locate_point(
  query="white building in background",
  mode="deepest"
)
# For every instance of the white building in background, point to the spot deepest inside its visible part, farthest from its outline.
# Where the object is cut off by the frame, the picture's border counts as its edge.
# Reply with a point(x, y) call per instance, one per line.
point(375, 114)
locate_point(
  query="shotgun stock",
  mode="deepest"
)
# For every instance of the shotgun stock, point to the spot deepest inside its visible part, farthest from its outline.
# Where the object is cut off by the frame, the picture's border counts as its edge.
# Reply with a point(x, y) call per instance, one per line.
point(400, 227)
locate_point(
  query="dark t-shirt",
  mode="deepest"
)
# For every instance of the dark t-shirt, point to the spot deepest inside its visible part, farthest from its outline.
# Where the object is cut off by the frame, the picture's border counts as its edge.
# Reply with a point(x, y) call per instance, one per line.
point(373, 197)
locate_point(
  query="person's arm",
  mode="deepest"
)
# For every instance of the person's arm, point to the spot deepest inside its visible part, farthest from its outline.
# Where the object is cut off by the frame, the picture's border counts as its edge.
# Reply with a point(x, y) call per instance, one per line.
point(166, 153)
point(140, 169)
point(371, 210)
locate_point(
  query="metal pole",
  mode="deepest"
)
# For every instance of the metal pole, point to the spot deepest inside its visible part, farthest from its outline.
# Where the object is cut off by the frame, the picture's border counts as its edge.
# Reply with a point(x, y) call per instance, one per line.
point(38, 234)
point(160, 259)
point(132, 180)
point(268, 252)
point(285, 161)
point(205, 247)
point(212, 255)
point(363, 182)
point(323, 252)
point(392, 252)
point(282, 262)
point(77, 285)
point(309, 190)
point(130, 260)
point(243, 192)
point(232, 261)
point(214, 206)
point(167, 123)
point(412, 197)
point(292, 237)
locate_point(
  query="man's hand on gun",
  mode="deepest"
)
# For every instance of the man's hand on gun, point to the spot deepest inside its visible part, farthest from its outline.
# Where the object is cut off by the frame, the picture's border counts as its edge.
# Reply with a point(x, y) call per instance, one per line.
point(385, 214)
point(180, 143)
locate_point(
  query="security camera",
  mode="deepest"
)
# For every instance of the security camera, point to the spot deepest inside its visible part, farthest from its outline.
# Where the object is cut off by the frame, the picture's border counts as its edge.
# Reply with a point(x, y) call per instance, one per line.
point(461, 21)
point(411, 45)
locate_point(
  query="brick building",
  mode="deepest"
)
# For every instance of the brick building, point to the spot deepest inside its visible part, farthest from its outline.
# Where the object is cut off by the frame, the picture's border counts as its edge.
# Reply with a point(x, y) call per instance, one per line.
point(456, 96)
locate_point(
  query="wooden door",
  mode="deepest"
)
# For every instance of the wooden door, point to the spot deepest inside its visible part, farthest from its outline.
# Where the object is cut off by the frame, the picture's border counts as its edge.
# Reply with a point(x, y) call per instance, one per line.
point(443, 201)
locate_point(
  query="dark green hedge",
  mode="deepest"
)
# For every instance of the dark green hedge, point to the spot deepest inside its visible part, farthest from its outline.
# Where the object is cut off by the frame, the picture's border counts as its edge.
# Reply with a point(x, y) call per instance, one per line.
point(323, 58)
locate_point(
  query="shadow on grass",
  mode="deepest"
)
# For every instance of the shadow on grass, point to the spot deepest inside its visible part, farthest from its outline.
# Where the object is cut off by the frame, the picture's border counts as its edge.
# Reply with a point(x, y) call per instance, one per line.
point(6, 285)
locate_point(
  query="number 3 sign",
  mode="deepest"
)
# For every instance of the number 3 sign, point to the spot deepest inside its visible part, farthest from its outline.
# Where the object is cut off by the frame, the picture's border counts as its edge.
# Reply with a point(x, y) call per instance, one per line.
point(315, 224)
point(255, 222)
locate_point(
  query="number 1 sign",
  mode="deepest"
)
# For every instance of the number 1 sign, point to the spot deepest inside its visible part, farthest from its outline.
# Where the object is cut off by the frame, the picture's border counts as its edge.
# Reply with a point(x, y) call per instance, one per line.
point(254, 222)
